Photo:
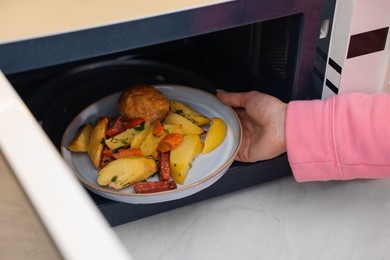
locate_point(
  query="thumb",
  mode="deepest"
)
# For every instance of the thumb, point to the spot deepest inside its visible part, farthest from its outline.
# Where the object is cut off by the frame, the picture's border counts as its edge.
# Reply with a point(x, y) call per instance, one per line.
point(233, 99)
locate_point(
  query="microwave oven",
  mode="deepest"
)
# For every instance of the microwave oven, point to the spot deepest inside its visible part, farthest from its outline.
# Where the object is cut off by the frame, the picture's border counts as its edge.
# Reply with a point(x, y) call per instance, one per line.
point(289, 49)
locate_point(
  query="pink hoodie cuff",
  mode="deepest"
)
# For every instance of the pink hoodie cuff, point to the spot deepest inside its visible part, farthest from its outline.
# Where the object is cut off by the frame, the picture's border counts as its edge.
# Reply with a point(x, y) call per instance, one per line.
point(309, 140)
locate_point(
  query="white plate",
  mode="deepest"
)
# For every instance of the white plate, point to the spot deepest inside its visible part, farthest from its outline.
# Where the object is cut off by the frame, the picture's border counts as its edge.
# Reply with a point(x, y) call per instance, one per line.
point(206, 169)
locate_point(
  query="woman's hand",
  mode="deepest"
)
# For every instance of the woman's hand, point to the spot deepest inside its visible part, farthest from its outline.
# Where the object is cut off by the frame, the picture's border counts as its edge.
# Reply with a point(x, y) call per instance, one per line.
point(263, 119)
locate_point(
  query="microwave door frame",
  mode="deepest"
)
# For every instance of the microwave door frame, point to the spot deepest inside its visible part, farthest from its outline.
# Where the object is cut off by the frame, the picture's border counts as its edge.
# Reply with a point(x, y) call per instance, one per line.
point(72, 219)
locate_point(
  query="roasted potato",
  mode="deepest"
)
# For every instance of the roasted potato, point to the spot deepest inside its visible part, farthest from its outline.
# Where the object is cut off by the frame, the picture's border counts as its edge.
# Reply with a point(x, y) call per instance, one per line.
point(138, 139)
point(126, 171)
point(150, 143)
point(80, 142)
point(200, 148)
point(188, 112)
point(96, 141)
point(122, 140)
point(215, 135)
point(188, 126)
point(181, 157)
point(170, 128)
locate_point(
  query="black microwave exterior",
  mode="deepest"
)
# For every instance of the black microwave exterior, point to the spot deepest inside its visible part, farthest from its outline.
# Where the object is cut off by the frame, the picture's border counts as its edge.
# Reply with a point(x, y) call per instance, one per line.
point(26, 57)
point(31, 54)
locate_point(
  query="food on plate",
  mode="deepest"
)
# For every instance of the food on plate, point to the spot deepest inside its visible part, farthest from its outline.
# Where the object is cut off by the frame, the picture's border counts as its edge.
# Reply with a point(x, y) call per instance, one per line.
point(146, 139)
point(126, 171)
point(188, 126)
point(80, 142)
point(158, 129)
point(121, 140)
point(115, 127)
point(139, 138)
point(189, 113)
point(182, 156)
point(154, 186)
point(170, 128)
point(96, 141)
point(169, 142)
point(215, 135)
point(199, 149)
point(165, 170)
point(125, 152)
point(145, 101)
point(150, 143)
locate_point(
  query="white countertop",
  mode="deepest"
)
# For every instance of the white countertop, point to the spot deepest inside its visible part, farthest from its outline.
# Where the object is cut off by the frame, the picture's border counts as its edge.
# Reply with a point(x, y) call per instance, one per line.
point(277, 220)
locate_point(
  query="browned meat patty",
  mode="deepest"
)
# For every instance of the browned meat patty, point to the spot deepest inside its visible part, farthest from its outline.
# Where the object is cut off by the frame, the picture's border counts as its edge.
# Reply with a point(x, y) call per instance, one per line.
point(143, 101)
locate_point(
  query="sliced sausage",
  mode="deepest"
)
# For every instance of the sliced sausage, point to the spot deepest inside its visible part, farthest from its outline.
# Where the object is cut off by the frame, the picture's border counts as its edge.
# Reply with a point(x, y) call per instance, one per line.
point(154, 186)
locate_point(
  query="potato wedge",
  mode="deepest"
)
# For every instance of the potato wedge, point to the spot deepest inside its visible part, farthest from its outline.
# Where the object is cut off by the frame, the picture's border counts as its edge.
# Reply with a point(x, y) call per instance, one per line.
point(181, 157)
point(188, 112)
point(127, 171)
point(96, 141)
point(188, 126)
point(200, 148)
point(170, 128)
point(150, 143)
point(215, 135)
point(138, 139)
point(80, 142)
point(121, 140)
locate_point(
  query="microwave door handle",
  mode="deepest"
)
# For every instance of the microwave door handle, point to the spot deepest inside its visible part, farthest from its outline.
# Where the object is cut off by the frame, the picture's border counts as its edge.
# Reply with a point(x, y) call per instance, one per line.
point(74, 222)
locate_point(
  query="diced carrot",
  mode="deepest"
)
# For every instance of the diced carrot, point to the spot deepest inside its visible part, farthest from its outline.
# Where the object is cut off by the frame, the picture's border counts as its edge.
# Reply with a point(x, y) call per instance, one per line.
point(107, 151)
point(134, 122)
point(158, 129)
point(106, 158)
point(169, 142)
point(165, 171)
point(127, 152)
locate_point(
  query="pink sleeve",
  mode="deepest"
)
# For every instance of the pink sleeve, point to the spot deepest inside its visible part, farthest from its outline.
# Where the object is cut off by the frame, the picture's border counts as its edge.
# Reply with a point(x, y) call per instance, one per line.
point(341, 138)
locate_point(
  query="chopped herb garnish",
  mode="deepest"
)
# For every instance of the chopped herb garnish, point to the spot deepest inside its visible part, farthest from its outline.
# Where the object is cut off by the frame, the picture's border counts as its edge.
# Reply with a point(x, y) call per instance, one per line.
point(140, 127)
point(113, 179)
point(102, 141)
point(180, 112)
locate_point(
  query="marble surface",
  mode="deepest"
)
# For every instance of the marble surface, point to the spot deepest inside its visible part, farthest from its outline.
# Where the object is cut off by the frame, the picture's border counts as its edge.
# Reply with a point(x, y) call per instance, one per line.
point(277, 220)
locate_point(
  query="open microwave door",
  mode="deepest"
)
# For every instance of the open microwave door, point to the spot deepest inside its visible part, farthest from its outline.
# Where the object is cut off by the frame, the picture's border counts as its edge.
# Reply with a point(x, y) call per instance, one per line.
point(73, 221)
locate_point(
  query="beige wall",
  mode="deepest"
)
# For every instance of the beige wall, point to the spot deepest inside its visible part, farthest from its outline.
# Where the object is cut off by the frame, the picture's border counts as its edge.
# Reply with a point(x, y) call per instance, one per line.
point(30, 19)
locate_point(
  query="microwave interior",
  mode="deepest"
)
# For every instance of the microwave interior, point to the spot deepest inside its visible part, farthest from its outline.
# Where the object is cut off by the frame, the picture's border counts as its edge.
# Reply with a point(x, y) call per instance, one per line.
point(264, 56)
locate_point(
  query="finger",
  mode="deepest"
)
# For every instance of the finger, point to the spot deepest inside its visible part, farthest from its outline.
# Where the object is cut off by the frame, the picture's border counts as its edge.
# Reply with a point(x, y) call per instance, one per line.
point(233, 99)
